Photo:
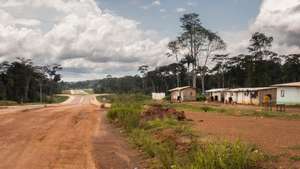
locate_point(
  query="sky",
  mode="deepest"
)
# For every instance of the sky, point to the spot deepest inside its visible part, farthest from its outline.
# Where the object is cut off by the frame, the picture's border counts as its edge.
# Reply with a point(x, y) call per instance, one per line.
point(94, 38)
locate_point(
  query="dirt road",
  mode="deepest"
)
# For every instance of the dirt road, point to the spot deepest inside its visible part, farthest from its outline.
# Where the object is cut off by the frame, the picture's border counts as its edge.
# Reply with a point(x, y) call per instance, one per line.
point(70, 136)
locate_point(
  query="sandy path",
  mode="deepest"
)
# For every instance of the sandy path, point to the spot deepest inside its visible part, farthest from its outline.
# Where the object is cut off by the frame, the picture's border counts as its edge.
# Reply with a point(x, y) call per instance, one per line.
point(60, 137)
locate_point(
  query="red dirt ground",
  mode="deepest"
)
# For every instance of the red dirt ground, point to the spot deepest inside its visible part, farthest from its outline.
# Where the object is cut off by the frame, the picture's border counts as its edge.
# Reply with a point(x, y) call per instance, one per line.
point(271, 135)
point(70, 136)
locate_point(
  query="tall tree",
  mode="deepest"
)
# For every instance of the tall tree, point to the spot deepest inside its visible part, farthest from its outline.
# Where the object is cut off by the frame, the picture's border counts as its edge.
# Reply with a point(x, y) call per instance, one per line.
point(143, 69)
point(200, 44)
point(174, 48)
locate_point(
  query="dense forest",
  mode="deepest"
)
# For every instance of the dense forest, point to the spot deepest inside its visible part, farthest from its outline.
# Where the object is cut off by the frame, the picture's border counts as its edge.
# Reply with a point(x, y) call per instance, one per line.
point(199, 62)
point(22, 81)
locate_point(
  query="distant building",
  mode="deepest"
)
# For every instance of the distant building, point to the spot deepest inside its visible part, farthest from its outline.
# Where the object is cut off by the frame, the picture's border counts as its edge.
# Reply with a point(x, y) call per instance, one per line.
point(288, 93)
point(183, 94)
point(158, 96)
point(253, 96)
point(216, 95)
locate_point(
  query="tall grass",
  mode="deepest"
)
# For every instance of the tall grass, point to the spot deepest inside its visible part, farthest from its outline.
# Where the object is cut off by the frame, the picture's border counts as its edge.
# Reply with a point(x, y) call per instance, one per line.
point(224, 155)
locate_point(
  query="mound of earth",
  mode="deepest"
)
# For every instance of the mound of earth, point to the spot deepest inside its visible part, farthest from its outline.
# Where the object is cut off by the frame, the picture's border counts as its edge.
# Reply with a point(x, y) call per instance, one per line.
point(157, 111)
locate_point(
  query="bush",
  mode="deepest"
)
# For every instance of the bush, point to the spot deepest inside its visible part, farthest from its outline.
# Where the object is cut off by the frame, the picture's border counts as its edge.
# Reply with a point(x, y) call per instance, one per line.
point(201, 97)
point(168, 97)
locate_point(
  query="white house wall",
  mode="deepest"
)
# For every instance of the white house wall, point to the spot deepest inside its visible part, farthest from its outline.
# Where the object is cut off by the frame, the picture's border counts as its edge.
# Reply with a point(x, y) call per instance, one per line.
point(291, 95)
point(217, 94)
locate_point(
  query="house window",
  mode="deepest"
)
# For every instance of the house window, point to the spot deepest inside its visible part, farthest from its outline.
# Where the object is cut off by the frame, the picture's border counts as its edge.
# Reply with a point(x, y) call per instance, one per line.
point(282, 92)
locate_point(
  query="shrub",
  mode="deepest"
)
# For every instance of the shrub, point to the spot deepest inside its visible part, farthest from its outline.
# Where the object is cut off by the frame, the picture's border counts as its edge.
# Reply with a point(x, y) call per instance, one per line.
point(201, 97)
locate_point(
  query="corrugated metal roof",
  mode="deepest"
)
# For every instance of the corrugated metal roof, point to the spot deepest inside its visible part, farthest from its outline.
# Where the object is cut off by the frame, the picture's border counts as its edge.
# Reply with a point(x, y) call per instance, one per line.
point(294, 84)
point(249, 89)
point(180, 88)
point(239, 89)
point(216, 90)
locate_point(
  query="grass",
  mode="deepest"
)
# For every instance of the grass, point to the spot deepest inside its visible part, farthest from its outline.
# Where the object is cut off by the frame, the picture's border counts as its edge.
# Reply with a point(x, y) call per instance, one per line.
point(89, 91)
point(217, 155)
point(8, 103)
point(172, 144)
point(54, 99)
point(233, 111)
point(295, 158)
point(57, 99)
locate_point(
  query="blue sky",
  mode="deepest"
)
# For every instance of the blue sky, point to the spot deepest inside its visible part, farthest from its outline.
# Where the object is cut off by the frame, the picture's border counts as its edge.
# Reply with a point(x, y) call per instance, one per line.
point(218, 15)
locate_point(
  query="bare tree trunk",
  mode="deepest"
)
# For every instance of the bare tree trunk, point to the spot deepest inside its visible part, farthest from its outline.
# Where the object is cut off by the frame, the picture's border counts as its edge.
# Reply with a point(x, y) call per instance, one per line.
point(194, 79)
point(203, 83)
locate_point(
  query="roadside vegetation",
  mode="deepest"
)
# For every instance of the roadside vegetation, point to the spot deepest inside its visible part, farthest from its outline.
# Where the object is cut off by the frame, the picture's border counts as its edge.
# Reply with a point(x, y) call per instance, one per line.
point(172, 144)
point(201, 107)
point(48, 100)
point(57, 99)
point(8, 103)
point(24, 82)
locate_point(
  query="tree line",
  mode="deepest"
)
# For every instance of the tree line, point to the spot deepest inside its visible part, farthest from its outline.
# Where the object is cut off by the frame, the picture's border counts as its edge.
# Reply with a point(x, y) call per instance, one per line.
point(200, 61)
point(22, 81)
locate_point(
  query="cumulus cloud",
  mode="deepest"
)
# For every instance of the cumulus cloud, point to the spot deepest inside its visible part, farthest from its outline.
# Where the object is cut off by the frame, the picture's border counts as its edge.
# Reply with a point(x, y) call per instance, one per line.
point(156, 2)
point(180, 10)
point(78, 34)
point(281, 19)
point(276, 18)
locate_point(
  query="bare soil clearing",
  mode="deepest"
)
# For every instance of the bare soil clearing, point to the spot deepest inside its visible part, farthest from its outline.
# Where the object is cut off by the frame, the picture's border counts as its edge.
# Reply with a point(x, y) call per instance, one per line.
point(70, 136)
point(272, 135)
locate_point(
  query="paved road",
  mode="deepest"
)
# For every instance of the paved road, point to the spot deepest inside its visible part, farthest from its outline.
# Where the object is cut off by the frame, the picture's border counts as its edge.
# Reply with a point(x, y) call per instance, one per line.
point(73, 135)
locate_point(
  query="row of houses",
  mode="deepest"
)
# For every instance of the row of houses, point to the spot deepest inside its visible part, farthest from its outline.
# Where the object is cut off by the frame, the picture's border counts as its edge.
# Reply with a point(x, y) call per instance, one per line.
point(287, 94)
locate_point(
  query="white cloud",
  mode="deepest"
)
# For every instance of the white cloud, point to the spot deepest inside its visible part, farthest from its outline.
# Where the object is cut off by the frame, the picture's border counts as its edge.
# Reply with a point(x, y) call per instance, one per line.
point(180, 10)
point(190, 3)
point(156, 2)
point(162, 10)
point(276, 18)
point(85, 40)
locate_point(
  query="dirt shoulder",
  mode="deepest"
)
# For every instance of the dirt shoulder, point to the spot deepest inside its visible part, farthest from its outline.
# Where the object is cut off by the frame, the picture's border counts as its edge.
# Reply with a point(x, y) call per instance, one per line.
point(118, 153)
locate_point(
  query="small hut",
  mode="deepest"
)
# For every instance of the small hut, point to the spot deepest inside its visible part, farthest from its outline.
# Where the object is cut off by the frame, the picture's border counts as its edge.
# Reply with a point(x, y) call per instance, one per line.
point(183, 94)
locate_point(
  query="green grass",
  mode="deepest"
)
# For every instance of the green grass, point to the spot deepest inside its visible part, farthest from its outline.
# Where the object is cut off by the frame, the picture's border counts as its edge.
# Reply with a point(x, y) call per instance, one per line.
point(233, 111)
point(295, 158)
point(89, 91)
point(57, 99)
point(223, 155)
point(160, 140)
point(8, 103)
